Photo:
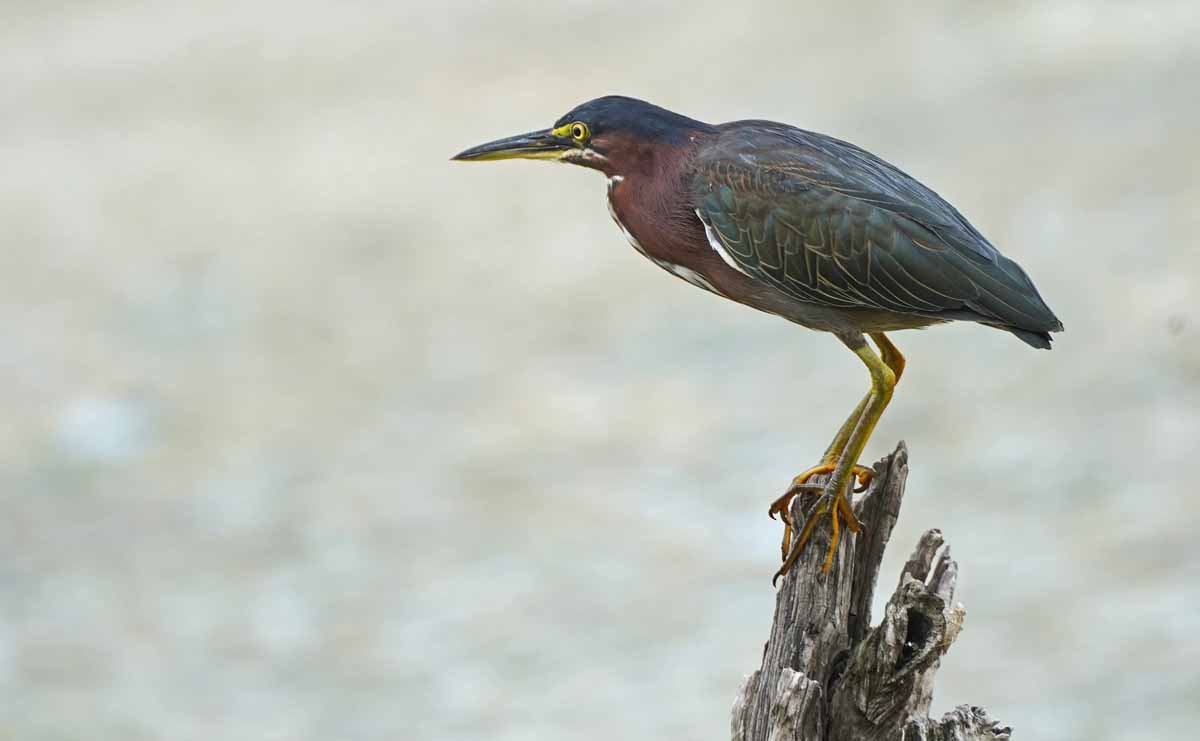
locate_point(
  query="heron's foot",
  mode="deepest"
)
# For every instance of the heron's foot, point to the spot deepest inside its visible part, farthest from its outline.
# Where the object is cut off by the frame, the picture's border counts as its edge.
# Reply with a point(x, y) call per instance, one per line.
point(835, 506)
point(801, 484)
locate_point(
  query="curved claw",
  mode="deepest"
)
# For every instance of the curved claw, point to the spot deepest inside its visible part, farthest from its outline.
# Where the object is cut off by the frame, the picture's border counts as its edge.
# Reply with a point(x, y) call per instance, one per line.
point(839, 512)
point(802, 539)
point(800, 485)
point(780, 505)
point(865, 476)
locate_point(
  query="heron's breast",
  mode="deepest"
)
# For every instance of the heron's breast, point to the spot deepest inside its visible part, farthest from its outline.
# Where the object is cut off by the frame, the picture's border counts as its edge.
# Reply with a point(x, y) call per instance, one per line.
point(654, 248)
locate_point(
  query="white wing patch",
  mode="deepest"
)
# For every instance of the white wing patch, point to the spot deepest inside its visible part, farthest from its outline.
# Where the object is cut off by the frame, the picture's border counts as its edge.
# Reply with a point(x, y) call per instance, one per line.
point(715, 242)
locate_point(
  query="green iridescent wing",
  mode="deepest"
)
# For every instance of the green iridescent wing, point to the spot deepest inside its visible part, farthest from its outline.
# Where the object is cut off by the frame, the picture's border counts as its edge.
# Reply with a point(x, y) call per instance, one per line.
point(831, 224)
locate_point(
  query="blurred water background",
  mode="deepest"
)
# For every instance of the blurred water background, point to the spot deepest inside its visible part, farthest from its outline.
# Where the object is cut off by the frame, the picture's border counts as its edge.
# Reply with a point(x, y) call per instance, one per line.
point(310, 434)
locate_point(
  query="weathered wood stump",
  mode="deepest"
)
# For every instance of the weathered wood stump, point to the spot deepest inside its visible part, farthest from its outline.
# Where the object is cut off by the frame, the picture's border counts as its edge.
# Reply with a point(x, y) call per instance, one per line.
point(827, 675)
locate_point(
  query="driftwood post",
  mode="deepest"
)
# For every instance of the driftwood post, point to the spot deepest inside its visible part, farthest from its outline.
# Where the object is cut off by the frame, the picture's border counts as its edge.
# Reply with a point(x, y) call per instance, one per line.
point(826, 673)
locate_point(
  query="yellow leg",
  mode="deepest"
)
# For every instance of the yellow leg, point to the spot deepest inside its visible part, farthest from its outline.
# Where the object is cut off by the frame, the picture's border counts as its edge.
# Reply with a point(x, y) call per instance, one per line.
point(890, 354)
point(827, 464)
point(843, 433)
point(835, 502)
point(781, 506)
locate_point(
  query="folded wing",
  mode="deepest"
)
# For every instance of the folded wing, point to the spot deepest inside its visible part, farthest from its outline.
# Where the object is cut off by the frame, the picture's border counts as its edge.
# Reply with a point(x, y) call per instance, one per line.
point(829, 223)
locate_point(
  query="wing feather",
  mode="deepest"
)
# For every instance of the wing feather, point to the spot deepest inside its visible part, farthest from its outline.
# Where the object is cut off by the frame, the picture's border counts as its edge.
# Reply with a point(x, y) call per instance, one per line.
point(828, 223)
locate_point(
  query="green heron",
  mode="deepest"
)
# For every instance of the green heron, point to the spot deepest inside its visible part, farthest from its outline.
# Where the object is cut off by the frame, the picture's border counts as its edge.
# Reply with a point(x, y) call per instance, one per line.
point(803, 226)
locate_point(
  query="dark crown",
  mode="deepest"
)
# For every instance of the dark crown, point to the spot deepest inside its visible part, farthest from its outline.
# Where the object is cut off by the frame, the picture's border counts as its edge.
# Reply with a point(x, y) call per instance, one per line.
point(644, 120)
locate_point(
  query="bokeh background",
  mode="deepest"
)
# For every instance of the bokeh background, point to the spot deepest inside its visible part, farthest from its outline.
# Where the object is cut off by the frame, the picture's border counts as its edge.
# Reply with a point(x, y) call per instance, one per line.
point(308, 433)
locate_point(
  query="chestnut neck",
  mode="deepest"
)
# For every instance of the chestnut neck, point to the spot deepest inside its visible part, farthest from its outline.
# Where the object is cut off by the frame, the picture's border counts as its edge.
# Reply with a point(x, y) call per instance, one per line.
point(649, 192)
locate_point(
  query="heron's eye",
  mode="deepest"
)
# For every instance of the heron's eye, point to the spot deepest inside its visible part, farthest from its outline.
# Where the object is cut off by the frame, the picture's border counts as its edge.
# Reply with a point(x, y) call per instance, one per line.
point(579, 132)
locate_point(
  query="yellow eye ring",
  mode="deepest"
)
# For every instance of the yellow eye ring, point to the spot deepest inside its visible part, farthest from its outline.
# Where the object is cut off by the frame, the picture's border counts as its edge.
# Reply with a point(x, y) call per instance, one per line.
point(579, 132)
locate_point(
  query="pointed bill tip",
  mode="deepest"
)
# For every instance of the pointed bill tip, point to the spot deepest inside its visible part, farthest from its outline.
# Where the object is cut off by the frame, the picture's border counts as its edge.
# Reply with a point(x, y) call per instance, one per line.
point(535, 145)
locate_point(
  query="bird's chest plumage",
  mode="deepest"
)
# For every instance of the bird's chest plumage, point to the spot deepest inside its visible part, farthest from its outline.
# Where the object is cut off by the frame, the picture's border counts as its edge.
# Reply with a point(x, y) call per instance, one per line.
point(654, 234)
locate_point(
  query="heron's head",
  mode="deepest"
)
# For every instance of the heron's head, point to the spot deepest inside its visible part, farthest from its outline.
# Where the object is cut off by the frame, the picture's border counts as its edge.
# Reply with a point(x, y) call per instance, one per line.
point(613, 134)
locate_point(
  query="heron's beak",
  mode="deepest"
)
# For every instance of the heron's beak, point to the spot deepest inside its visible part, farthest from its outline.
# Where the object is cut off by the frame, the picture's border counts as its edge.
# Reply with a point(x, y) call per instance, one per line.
point(536, 145)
